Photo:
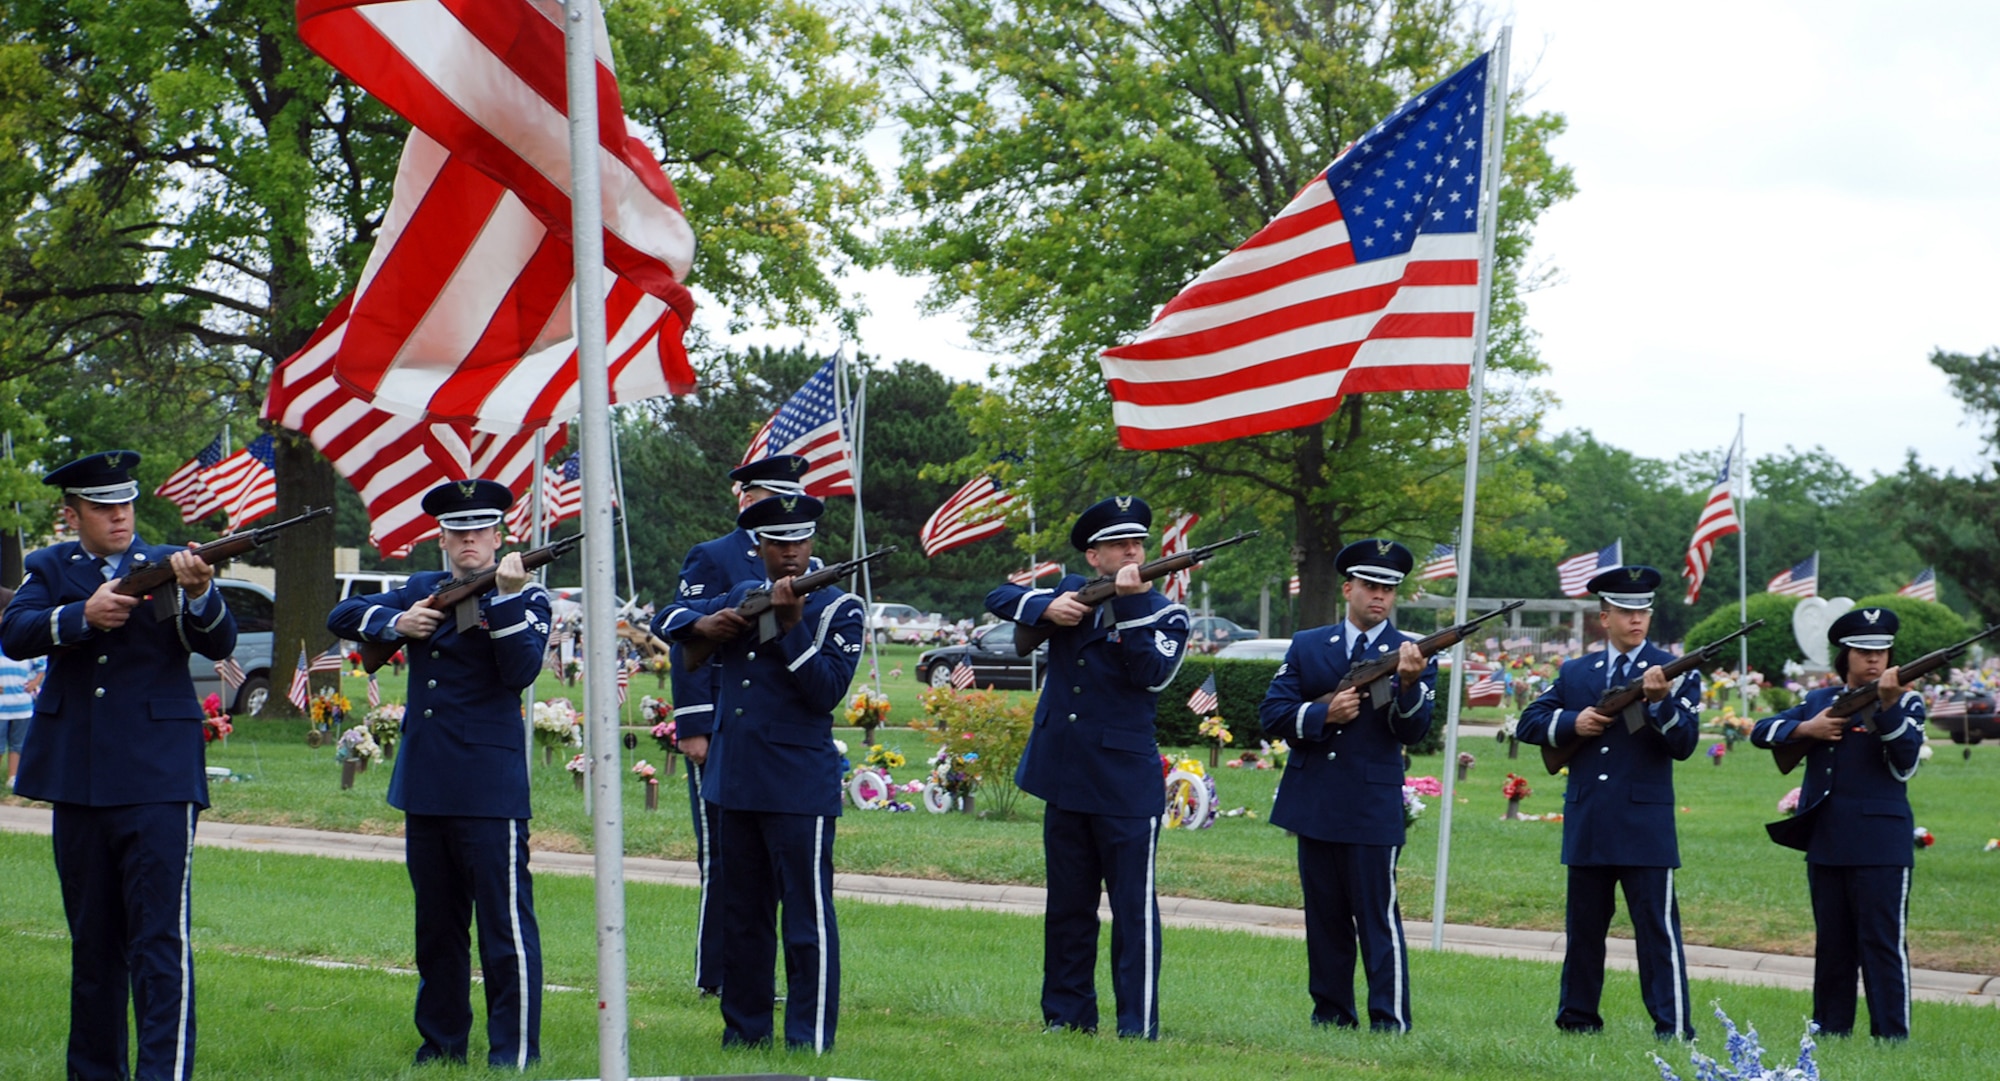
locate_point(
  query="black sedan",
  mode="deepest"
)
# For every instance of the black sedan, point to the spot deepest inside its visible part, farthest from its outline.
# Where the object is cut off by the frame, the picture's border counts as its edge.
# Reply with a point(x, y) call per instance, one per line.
point(992, 657)
point(1967, 716)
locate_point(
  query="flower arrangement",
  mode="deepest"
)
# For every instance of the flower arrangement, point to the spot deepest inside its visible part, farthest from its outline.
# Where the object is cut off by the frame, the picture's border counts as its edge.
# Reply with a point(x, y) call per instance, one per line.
point(663, 734)
point(1992, 845)
point(1715, 753)
point(1413, 808)
point(1746, 1058)
point(1788, 804)
point(1923, 838)
point(328, 707)
point(868, 709)
point(1425, 786)
point(882, 759)
point(385, 723)
point(957, 772)
point(655, 710)
point(991, 725)
point(659, 665)
point(644, 771)
point(1466, 760)
point(214, 723)
point(556, 724)
point(1516, 787)
point(356, 745)
point(580, 764)
point(1214, 728)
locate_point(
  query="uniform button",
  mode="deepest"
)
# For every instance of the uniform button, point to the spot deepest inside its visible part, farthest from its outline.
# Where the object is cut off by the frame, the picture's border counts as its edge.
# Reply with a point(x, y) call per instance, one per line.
point(434, 654)
point(1604, 776)
point(1071, 716)
point(104, 660)
point(746, 683)
point(752, 655)
point(431, 683)
point(1079, 662)
point(1331, 755)
point(1076, 690)
point(100, 692)
point(427, 713)
point(1604, 750)
point(739, 711)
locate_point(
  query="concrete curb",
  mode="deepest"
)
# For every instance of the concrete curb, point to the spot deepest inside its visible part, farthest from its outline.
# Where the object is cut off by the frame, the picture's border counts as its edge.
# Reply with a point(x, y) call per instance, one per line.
point(1704, 962)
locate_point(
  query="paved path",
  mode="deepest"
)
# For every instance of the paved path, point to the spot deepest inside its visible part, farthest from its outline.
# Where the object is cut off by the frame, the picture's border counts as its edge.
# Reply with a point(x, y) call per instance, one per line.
point(1704, 962)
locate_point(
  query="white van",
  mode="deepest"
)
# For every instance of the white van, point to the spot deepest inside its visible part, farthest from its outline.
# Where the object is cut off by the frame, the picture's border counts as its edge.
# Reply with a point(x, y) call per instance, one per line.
point(362, 583)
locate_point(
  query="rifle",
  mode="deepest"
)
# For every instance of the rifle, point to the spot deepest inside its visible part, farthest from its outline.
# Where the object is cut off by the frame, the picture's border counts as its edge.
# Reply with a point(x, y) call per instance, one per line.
point(1626, 700)
point(1373, 676)
point(1100, 589)
point(460, 596)
point(757, 605)
point(1860, 702)
point(155, 578)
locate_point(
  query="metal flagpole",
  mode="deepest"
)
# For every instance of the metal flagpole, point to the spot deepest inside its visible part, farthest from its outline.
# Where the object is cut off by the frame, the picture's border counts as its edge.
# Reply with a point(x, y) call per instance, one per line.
point(857, 436)
point(1739, 480)
point(582, 26)
point(535, 534)
point(1496, 133)
point(623, 515)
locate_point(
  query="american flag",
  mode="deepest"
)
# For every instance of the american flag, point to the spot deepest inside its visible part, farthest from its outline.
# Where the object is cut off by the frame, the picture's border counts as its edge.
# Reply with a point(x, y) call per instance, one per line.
point(301, 691)
point(1173, 541)
point(230, 673)
point(1574, 574)
point(808, 425)
point(624, 681)
point(246, 482)
point(464, 309)
point(1035, 573)
point(1485, 684)
point(1923, 586)
point(1718, 519)
point(1203, 701)
point(974, 512)
point(391, 460)
point(329, 661)
point(374, 692)
point(562, 499)
point(187, 490)
point(1368, 281)
point(961, 675)
point(1292, 587)
point(1443, 563)
point(1801, 580)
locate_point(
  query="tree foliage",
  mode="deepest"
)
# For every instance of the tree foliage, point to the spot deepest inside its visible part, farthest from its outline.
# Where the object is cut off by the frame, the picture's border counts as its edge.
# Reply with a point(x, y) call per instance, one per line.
point(1949, 519)
point(1071, 166)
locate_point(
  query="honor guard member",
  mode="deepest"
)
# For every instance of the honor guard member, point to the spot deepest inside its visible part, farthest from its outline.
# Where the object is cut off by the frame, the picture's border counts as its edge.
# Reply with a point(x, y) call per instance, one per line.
point(461, 778)
point(775, 773)
point(1342, 791)
point(116, 746)
point(1618, 810)
point(1094, 759)
point(707, 574)
point(1854, 824)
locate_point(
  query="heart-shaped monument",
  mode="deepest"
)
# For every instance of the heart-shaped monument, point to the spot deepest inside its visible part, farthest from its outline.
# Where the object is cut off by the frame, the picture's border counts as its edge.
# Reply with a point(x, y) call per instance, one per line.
point(1810, 621)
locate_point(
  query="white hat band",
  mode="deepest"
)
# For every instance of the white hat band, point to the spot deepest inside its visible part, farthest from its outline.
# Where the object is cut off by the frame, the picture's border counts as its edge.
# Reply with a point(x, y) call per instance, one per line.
point(463, 520)
point(789, 531)
point(1381, 576)
point(1119, 531)
point(122, 492)
point(1628, 600)
point(1869, 641)
point(777, 487)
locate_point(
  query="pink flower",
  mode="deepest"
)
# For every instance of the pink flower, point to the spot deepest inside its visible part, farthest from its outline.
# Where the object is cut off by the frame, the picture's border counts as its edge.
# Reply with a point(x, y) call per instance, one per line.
point(1425, 786)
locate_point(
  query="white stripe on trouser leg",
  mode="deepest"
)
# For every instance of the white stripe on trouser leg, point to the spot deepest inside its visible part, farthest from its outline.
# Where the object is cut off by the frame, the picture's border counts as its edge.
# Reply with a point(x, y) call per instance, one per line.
point(520, 948)
point(1396, 941)
point(1152, 847)
point(1674, 958)
point(1903, 947)
point(187, 961)
point(819, 927)
point(702, 850)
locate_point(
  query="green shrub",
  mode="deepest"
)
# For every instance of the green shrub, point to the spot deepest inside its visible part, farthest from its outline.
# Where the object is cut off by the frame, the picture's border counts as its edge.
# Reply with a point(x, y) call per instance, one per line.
point(1771, 645)
point(1925, 625)
point(991, 724)
point(1239, 690)
point(1172, 720)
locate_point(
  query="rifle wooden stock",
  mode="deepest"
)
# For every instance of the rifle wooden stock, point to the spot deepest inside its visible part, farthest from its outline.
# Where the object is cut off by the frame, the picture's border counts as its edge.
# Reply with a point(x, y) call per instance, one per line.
point(1373, 676)
point(1104, 586)
point(154, 579)
point(1625, 701)
point(1859, 703)
point(460, 596)
point(757, 603)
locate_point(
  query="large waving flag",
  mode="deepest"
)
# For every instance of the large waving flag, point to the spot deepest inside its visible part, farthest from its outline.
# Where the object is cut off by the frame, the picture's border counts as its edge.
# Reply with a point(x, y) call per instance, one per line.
point(1718, 519)
point(1368, 281)
point(1173, 541)
point(1442, 563)
point(1574, 574)
point(1800, 580)
point(976, 511)
point(187, 490)
point(808, 425)
point(1923, 587)
point(464, 309)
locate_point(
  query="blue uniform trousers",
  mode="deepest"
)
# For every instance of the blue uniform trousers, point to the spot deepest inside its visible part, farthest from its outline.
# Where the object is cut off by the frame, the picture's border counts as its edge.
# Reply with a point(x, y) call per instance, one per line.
point(1086, 854)
point(1656, 936)
point(124, 873)
point(459, 865)
point(769, 859)
point(708, 912)
point(1350, 891)
point(1862, 915)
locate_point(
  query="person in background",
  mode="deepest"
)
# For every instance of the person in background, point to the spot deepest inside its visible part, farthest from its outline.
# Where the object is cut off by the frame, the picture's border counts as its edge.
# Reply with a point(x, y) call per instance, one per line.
point(19, 680)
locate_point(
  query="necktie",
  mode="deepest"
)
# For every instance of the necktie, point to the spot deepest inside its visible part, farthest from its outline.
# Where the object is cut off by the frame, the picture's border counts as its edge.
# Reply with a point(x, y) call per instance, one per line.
point(1621, 671)
point(1360, 651)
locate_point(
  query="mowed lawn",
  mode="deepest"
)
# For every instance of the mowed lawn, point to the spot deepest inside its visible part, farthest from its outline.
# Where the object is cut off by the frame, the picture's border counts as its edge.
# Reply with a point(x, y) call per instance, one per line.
point(926, 994)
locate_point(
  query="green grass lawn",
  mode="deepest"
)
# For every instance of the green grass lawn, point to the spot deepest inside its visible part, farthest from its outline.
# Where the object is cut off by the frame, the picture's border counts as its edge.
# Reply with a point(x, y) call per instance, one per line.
point(926, 994)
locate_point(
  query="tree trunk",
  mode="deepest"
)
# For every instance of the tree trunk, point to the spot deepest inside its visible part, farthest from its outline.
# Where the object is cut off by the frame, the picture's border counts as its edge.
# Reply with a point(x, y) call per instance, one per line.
point(303, 559)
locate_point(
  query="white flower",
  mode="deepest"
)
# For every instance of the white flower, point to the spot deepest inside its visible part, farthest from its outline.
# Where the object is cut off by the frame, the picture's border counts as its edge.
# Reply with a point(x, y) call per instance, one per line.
point(841, 746)
point(1924, 753)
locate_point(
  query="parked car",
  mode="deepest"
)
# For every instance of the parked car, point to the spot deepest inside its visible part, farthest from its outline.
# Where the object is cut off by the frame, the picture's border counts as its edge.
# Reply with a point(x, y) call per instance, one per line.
point(1967, 716)
point(1209, 633)
point(1255, 649)
point(363, 583)
point(992, 657)
point(255, 612)
point(903, 623)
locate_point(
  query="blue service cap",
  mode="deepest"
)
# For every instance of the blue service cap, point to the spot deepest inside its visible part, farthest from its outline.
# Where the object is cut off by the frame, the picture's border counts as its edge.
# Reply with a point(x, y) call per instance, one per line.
point(468, 504)
point(782, 517)
point(1383, 562)
point(1865, 628)
point(780, 474)
point(1626, 587)
point(1116, 518)
point(105, 477)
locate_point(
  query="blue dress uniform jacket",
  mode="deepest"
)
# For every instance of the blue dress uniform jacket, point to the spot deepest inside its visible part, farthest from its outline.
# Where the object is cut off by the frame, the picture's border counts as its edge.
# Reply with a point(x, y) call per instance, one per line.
point(464, 743)
point(711, 569)
point(1343, 783)
point(1856, 790)
point(117, 721)
point(1618, 808)
point(1093, 749)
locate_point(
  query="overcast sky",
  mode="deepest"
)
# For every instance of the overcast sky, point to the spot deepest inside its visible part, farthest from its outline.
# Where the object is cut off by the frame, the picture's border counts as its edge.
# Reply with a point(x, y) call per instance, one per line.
point(1782, 208)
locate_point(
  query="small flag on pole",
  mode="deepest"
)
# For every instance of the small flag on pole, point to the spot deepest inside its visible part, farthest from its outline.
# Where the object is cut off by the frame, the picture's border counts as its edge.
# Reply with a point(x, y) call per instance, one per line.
point(1484, 685)
point(230, 673)
point(1203, 701)
point(1718, 520)
point(187, 490)
point(961, 675)
point(1443, 563)
point(1292, 587)
point(329, 661)
point(301, 691)
point(1923, 587)
point(624, 680)
point(374, 692)
point(1574, 574)
point(1801, 580)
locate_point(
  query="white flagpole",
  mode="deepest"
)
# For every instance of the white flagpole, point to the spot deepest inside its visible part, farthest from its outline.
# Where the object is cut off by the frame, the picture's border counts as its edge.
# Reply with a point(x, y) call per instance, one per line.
point(856, 437)
point(1739, 481)
point(535, 534)
point(1496, 134)
point(624, 515)
point(582, 24)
